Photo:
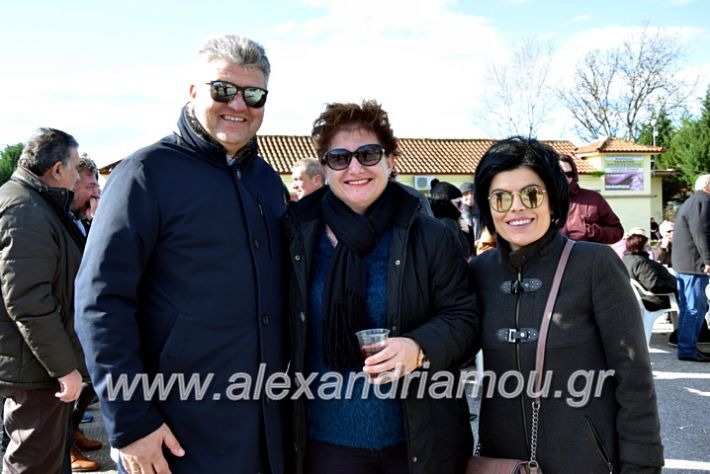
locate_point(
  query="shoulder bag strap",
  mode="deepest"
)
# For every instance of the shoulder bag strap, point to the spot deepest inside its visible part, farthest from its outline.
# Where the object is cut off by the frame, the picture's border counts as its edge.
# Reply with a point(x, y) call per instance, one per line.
point(540, 355)
point(545, 325)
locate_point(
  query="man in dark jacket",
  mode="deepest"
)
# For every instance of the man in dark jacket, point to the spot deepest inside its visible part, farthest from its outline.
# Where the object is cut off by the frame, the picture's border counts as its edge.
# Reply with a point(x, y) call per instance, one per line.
point(41, 362)
point(181, 283)
point(590, 217)
point(691, 262)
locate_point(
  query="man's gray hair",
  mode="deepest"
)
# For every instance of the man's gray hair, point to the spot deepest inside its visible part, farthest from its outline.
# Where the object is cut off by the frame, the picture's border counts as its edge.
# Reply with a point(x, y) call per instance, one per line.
point(312, 167)
point(87, 164)
point(702, 182)
point(46, 147)
point(236, 50)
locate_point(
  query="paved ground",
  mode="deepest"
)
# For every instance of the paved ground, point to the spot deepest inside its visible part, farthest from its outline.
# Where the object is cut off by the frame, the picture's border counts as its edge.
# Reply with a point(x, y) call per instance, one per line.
point(683, 390)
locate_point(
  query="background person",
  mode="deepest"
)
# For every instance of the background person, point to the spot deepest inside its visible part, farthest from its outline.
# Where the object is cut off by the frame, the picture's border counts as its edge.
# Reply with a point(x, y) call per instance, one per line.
point(523, 195)
point(306, 176)
point(42, 364)
point(182, 275)
point(590, 217)
point(664, 250)
point(470, 214)
point(691, 262)
point(653, 276)
point(364, 256)
point(446, 204)
point(83, 205)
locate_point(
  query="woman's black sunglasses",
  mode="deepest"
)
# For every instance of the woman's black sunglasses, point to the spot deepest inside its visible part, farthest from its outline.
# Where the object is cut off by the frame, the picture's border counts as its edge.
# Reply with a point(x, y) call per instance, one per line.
point(223, 91)
point(339, 158)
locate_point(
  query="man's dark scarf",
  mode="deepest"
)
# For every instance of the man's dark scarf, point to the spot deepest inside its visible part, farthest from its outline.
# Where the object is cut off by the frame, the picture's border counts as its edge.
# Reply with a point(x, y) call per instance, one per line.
point(346, 286)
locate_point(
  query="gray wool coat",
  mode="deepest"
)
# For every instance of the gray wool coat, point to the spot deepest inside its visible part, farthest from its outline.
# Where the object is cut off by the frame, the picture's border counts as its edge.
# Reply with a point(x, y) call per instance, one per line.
point(595, 342)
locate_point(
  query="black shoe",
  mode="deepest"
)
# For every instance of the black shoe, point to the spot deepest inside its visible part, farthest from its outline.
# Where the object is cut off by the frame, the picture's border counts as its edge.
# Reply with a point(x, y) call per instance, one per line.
point(704, 336)
point(673, 338)
point(697, 357)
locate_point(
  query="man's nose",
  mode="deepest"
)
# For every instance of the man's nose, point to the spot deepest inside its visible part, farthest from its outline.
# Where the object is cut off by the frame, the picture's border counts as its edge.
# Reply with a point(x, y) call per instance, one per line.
point(238, 100)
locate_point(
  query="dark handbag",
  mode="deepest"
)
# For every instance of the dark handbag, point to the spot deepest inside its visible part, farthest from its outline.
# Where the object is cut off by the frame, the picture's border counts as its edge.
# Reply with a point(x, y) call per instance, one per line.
point(486, 465)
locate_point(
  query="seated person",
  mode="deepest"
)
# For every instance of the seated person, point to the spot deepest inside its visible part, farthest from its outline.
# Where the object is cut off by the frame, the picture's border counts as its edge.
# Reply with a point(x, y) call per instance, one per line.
point(665, 246)
point(653, 276)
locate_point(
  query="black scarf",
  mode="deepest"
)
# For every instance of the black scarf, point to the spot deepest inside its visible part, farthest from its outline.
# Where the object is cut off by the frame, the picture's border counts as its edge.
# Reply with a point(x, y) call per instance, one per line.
point(346, 287)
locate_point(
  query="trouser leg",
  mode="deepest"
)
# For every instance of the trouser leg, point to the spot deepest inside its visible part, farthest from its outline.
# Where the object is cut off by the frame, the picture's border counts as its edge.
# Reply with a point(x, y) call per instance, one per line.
point(693, 306)
point(37, 423)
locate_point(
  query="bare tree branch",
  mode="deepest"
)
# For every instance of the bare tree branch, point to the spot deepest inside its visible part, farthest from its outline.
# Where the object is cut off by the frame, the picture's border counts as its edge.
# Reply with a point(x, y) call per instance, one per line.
point(518, 96)
point(616, 90)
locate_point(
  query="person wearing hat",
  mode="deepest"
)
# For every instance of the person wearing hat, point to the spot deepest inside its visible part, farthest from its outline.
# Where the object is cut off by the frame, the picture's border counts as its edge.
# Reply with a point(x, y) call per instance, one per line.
point(470, 214)
point(446, 203)
point(664, 249)
point(652, 275)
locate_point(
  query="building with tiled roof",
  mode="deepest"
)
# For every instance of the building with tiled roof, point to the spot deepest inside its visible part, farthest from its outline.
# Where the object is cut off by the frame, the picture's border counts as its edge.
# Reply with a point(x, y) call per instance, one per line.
point(615, 145)
point(602, 165)
point(420, 156)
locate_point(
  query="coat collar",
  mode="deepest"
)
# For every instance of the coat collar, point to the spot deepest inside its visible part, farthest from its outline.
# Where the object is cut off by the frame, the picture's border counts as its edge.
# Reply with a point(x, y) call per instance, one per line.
point(59, 198)
point(194, 135)
point(545, 245)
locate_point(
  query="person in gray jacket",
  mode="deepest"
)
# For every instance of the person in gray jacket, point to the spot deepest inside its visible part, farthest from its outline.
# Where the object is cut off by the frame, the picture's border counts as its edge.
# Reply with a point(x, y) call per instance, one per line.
point(598, 408)
point(41, 362)
point(691, 262)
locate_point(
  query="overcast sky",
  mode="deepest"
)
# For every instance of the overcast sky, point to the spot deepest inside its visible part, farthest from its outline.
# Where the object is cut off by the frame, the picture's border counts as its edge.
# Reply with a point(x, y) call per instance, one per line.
point(113, 73)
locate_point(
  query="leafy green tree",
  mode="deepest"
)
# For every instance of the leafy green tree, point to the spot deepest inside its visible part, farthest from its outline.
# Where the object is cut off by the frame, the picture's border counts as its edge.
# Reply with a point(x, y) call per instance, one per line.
point(689, 150)
point(8, 161)
point(673, 186)
point(664, 130)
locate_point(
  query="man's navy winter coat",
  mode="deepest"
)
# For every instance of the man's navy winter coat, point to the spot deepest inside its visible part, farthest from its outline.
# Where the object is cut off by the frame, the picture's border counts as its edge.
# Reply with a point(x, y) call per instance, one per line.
point(181, 275)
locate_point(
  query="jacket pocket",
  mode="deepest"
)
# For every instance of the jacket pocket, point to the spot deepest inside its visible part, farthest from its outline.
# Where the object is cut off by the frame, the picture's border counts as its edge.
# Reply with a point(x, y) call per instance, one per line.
point(601, 450)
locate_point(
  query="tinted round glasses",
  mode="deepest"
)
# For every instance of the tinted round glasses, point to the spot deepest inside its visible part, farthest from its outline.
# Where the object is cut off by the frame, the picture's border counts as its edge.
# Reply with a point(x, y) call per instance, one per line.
point(339, 158)
point(531, 196)
point(223, 91)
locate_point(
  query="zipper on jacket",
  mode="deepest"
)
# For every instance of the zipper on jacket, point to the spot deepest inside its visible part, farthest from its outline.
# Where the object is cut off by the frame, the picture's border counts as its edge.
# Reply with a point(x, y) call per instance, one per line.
point(600, 445)
point(266, 224)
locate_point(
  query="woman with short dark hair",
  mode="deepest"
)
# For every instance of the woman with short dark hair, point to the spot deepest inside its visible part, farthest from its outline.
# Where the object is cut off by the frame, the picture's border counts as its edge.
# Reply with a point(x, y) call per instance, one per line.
point(587, 422)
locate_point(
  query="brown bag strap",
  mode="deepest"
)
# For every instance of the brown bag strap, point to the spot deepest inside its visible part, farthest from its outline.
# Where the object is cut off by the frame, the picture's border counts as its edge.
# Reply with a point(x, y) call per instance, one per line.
point(545, 325)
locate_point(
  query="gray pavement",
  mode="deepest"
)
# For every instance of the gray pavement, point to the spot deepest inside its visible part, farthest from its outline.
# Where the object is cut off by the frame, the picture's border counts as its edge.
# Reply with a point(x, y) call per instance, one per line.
point(683, 390)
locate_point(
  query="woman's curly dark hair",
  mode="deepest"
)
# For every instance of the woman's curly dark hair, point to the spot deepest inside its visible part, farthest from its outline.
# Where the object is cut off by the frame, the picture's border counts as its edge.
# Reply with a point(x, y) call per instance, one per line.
point(369, 116)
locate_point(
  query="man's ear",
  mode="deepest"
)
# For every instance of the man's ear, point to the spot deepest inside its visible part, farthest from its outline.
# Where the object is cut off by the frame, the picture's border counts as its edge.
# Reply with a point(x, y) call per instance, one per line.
point(56, 170)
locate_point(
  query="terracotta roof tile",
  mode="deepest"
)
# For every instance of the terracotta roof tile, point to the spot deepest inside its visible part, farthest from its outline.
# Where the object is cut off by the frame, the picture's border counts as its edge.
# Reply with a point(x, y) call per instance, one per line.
point(615, 145)
point(429, 156)
point(419, 155)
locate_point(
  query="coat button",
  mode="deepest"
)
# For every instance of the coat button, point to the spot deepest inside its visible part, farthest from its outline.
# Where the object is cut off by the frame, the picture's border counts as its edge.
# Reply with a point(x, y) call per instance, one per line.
point(302, 317)
point(297, 258)
point(265, 319)
point(397, 262)
point(415, 459)
point(256, 243)
point(394, 328)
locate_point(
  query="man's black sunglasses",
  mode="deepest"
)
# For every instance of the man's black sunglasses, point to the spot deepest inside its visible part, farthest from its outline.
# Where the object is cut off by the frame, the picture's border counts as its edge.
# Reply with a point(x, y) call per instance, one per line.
point(339, 158)
point(223, 91)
